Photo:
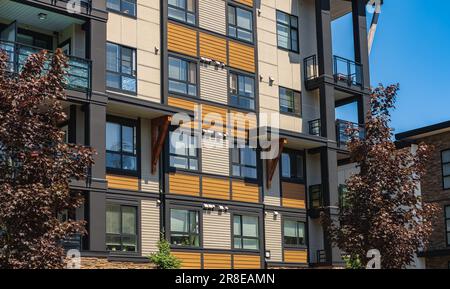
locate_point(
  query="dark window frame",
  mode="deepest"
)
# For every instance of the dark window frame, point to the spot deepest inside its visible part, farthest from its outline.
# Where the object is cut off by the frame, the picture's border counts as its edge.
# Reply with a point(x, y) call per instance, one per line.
point(48, 39)
point(120, 73)
point(137, 235)
point(235, 26)
point(442, 169)
point(136, 137)
point(134, 15)
point(240, 96)
point(291, 179)
point(185, 11)
point(241, 165)
point(199, 234)
point(447, 220)
point(291, 29)
point(295, 112)
point(305, 240)
point(242, 237)
point(188, 157)
point(187, 81)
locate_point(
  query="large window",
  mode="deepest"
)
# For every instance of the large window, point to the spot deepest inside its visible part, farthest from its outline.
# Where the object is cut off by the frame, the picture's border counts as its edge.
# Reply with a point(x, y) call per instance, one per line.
point(447, 224)
point(245, 231)
point(292, 166)
point(290, 101)
point(446, 169)
point(182, 10)
point(183, 150)
point(244, 162)
point(184, 228)
point(123, 6)
point(240, 23)
point(294, 234)
point(121, 68)
point(287, 31)
point(121, 152)
point(121, 228)
point(242, 91)
point(182, 76)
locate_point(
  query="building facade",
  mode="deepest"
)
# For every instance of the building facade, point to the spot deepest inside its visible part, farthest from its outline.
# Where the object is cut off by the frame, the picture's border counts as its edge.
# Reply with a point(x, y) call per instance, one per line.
point(148, 79)
point(435, 186)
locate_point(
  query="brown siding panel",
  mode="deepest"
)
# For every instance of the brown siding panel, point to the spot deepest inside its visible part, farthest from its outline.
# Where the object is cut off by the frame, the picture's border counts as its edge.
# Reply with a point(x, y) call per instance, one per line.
point(189, 260)
point(181, 184)
point(246, 2)
point(246, 262)
point(241, 56)
point(213, 47)
point(216, 261)
point(122, 183)
point(295, 256)
point(181, 39)
point(245, 192)
point(293, 195)
point(181, 103)
point(216, 188)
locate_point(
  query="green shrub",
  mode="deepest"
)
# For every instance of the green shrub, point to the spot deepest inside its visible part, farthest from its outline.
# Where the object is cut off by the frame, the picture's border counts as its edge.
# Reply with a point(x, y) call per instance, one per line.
point(163, 259)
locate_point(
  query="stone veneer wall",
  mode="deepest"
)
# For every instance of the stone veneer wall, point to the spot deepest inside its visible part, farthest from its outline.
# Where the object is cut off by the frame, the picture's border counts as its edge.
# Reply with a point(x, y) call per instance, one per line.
point(103, 263)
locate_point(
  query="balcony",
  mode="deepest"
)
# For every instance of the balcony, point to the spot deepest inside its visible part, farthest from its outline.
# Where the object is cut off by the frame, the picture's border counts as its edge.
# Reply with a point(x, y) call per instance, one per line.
point(343, 129)
point(315, 201)
point(315, 127)
point(346, 73)
point(85, 7)
point(73, 242)
point(78, 73)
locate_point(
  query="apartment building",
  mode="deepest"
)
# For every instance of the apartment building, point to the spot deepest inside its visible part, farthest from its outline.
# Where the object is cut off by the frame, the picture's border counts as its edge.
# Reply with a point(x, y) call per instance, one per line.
point(141, 70)
point(435, 186)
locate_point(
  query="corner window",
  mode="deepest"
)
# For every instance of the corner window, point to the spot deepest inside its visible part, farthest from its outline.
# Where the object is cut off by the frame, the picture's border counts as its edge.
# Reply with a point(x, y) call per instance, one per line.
point(182, 10)
point(183, 150)
point(121, 155)
point(182, 76)
point(446, 169)
point(121, 228)
point(294, 234)
point(242, 91)
point(447, 224)
point(184, 228)
point(244, 162)
point(290, 101)
point(245, 231)
point(240, 23)
point(121, 68)
point(287, 31)
point(292, 166)
point(127, 7)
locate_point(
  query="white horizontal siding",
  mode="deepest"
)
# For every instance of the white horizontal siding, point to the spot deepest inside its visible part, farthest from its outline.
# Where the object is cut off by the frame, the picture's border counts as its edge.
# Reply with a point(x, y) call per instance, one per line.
point(215, 157)
point(213, 83)
point(150, 230)
point(212, 15)
point(216, 230)
point(273, 236)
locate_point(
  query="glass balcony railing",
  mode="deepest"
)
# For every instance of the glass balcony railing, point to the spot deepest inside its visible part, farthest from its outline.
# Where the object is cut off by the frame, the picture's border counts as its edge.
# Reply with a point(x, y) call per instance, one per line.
point(348, 71)
point(342, 134)
point(78, 73)
point(315, 127)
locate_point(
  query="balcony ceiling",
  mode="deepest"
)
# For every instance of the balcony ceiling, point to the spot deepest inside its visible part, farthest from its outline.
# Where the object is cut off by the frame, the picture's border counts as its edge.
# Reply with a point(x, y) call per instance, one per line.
point(340, 8)
point(28, 15)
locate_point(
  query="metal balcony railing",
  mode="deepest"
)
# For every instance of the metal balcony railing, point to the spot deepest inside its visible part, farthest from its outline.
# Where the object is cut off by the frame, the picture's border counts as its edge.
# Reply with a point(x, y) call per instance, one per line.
point(73, 242)
point(347, 70)
point(342, 133)
point(315, 127)
point(311, 70)
point(78, 73)
point(321, 257)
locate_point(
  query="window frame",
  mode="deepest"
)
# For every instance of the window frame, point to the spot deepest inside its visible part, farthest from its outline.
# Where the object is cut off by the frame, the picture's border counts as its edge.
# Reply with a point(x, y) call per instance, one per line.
point(185, 11)
point(291, 179)
point(232, 164)
point(120, 73)
point(131, 123)
point(109, 9)
point(242, 237)
point(200, 220)
point(442, 169)
point(187, 83)
point(236, 6)
point(291, 29)
point(298, 101)
point(188, 157)
point(137, 224)
point(447, 219)
point(231, 94)
point(305, 237)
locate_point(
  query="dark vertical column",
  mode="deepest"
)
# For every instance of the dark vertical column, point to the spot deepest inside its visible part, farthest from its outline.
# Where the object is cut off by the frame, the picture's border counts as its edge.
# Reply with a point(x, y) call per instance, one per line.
point(324, 39)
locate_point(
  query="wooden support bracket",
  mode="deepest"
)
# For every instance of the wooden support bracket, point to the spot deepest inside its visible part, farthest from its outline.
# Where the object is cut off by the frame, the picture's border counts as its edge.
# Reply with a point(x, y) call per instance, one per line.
point(160, 129)
point(272, 163)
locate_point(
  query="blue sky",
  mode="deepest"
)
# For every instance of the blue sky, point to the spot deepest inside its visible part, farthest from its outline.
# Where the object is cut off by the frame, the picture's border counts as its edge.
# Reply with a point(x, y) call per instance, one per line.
point(412, 47)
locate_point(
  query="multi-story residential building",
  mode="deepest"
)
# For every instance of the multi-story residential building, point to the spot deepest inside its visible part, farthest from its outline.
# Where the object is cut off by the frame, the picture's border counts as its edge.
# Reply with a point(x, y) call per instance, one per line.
point(435, 186)
point(135, 64)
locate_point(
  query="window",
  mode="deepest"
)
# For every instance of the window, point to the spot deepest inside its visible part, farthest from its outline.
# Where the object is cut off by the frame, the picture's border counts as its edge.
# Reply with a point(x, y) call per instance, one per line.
point(446, 169)
point(292, 166)
point(123, 6)
point(447, 224)
point(240, 23)
point(184, 228)
point(245, 231)
point(121, 228)
point(182, 10)
point(121, 153)
point(244, 162)
point(287, 31)
point(316, 200)
point(182, 76)
point(290, 101)
point(342, 191)
point(183, 150)
point(120, 68)
point(31, 38)
point(294, 234)
point(242, 90)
